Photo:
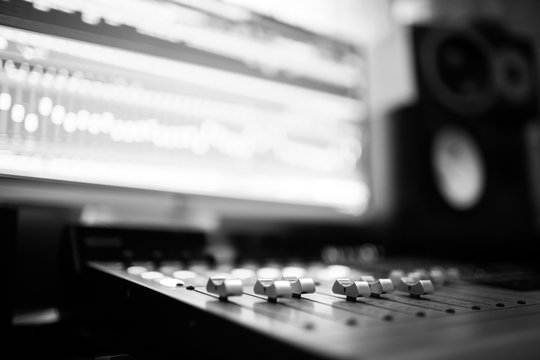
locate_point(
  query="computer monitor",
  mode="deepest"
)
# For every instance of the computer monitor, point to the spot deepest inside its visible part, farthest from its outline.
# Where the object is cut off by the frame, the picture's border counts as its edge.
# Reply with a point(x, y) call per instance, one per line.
point(213, 104)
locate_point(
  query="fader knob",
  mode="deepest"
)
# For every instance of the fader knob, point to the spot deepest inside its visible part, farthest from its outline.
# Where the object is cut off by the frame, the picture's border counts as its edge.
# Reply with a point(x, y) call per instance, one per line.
point(351, 289)
point(273, 289)
point(378, 287)
point(381, 286)
point(224, 287)
point(300, 286)
point(416, 288)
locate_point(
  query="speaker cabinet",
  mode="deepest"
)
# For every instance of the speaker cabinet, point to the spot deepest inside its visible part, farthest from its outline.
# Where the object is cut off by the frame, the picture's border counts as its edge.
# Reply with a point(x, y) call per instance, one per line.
point(461, 157)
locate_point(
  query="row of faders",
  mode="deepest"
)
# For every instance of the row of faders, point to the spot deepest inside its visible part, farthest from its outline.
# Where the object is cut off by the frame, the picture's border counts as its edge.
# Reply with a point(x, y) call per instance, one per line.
point(326, 311)
point(224, 287)
point(420, 293)
point(417, 283)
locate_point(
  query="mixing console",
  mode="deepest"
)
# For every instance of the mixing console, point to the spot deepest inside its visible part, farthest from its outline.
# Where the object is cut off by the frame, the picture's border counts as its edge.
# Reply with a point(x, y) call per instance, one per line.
point(328, 311)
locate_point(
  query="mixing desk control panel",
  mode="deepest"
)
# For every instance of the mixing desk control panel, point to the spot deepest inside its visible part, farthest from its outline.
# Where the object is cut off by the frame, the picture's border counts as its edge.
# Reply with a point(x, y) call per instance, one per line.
point(340, 312)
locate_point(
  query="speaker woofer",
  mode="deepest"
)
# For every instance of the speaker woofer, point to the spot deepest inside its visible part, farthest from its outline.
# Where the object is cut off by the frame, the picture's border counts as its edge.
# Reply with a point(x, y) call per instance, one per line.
point(458, 69)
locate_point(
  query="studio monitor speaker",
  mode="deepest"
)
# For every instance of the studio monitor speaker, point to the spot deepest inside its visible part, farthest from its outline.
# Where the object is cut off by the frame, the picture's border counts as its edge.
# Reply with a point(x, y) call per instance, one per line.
point(461, 155)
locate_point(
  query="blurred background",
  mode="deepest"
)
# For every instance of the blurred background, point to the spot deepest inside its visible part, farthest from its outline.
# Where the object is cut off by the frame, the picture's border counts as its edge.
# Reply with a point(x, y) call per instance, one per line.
point(299, 129)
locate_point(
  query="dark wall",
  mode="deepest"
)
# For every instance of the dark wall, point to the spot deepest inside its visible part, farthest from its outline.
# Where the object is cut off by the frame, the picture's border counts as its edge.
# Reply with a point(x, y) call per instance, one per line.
point(37, 256)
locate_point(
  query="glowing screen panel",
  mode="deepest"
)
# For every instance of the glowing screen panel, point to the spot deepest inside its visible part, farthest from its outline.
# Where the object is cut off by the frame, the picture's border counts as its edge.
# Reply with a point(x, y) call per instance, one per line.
point(217, 101)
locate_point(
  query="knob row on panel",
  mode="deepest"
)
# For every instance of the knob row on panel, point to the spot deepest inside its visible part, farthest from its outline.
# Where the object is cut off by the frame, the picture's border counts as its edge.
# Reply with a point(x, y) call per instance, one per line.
point(273, 289)
point(368, 286)
point(438, 276)
point(295, 287)
point(225, 286)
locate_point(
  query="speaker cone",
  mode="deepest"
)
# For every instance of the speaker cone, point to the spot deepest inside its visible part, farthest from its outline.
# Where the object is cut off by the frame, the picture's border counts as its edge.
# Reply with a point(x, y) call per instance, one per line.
point(458, 167)
point(458, 69)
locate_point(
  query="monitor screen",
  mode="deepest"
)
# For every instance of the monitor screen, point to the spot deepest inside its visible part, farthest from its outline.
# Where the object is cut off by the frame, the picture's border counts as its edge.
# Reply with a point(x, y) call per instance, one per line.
point(212, 100)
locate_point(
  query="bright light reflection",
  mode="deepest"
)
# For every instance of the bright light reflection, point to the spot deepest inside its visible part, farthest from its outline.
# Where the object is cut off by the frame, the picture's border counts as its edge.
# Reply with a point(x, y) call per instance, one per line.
point(293, 271)
point(242, 273)
point(17, 113)
point(170, 282)
point(268, 273)
point(333, 272)
point(58, 114)
point(70, 122)
point(31, 122)
point(5, 101)
point(151, 275)
point(184, 274)
point(45, 106)
point(136, 270)
point(94, 124)
point(339, 270)
point(83, 117)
